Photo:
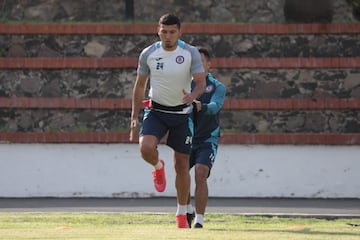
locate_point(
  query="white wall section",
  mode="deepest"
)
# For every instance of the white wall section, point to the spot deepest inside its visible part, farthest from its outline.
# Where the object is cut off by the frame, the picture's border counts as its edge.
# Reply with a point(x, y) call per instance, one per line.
point(117, 170)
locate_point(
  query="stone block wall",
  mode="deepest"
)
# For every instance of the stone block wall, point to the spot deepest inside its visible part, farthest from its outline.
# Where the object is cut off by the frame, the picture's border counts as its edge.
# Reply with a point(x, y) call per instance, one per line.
point(244, 11)
point(72, 82)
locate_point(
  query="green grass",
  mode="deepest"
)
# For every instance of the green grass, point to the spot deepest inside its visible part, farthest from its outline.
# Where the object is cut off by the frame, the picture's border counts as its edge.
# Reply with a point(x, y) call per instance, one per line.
point(133, 226)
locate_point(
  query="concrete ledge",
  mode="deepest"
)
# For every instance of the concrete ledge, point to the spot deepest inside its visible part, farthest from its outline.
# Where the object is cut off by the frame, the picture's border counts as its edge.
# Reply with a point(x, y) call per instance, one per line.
point(188, 28)
point(216, 62)
point(229, 103)
point(226, 138)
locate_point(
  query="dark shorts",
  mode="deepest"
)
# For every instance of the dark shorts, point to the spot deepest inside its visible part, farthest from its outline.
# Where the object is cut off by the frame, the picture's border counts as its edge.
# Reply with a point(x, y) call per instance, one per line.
point(203, 153)
point(178, 126)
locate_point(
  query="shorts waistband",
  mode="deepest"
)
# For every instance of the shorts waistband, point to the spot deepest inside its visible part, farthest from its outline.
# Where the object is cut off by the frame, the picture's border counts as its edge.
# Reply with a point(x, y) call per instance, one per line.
point(159, 106)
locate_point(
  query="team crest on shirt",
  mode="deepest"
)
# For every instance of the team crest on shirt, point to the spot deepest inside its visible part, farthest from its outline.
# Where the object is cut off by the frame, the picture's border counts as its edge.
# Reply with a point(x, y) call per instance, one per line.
point(209, 88)
point(180, 59)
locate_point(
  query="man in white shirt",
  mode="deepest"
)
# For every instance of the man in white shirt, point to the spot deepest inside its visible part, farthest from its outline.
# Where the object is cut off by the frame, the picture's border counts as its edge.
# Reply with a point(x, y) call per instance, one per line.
point(169, 65)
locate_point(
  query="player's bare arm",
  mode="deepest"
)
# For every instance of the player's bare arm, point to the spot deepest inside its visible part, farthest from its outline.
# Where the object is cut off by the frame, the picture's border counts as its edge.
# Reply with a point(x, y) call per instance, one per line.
point(138, 95)
point(200, 84)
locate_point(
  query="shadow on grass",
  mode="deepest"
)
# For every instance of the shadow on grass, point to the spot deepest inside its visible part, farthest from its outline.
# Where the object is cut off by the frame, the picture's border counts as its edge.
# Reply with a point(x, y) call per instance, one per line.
point(306, 231)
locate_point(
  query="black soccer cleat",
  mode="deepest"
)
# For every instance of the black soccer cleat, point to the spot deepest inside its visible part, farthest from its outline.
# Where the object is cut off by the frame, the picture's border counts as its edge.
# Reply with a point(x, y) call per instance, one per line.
point(190, 218)
point(198, 225)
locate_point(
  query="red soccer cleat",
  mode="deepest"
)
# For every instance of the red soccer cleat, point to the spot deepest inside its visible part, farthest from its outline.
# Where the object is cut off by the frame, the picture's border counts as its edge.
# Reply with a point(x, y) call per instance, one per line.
point(181, 221)
point(159, 178)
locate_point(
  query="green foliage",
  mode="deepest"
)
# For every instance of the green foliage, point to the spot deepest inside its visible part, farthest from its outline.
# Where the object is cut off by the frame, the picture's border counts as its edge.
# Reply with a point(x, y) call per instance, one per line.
point(82, 129)
point(3, 52)
point(354, 3)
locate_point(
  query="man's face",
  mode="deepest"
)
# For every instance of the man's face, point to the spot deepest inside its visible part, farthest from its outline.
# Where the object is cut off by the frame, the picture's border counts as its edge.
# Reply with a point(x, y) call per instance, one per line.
point(205, 62)
point(169, 35)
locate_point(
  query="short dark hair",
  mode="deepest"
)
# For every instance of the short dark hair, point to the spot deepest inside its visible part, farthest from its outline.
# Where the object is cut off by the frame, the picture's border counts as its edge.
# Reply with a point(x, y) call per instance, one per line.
point(169, 19)
point(204, 51)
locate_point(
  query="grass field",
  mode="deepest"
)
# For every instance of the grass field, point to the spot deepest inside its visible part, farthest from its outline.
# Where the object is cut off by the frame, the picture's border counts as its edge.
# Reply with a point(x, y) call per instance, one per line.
point(133, 226)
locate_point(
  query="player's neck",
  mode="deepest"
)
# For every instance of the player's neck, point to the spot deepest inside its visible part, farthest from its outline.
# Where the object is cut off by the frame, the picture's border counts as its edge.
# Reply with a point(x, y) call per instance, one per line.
point(170, 49)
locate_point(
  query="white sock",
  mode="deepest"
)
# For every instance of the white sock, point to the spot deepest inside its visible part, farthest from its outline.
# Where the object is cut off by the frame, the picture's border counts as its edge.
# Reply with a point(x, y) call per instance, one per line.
point(158, 166)
point(199, 218)
point(181, 209)
point(189, 208)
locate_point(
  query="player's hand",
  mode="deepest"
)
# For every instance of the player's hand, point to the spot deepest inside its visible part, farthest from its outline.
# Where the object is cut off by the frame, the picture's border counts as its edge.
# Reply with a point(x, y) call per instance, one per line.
point(133, 125)
point(198, 105)
point(187, 98)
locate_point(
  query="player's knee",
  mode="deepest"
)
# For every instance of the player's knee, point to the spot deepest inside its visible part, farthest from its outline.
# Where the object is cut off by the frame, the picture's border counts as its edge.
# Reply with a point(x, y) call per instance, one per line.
point(181, 168)
point(201, 173)
point(147, 149)
point(200, 178)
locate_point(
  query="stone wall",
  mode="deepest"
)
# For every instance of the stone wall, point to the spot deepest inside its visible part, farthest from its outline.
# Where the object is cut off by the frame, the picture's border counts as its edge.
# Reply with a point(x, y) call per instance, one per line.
point(250, 11)
point(240, 83)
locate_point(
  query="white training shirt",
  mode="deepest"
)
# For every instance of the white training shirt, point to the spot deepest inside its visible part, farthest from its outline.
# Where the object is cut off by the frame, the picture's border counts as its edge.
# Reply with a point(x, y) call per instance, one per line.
point(170, 71)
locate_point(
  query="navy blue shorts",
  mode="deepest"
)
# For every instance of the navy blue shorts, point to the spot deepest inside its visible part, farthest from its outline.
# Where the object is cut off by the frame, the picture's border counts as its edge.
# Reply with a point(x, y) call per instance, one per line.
point(178, 126)
point(204, 153)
